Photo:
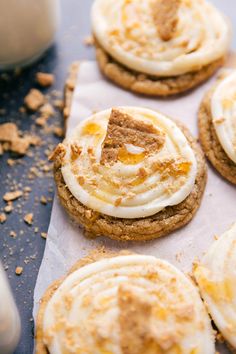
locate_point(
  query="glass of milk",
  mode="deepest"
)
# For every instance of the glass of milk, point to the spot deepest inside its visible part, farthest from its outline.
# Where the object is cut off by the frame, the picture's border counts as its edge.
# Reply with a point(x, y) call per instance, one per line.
point(9, 317)
point(27, 29)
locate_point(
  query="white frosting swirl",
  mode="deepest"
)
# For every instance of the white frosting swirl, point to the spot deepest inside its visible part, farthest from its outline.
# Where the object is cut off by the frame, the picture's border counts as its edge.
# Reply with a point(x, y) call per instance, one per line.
point(216, 277)
point(127, 31)
point(223, 110)
point(139, 184)
point(84, 314)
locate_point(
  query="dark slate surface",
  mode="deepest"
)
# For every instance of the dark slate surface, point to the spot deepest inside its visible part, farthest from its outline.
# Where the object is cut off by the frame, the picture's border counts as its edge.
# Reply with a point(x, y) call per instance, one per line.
point(27, 248)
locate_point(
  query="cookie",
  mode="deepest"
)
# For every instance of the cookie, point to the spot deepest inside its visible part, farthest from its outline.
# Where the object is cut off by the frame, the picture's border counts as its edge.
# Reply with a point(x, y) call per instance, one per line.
point(130, 173)
point(159, 47)
point(123, 303)
point(215, 276)
point(217, 127)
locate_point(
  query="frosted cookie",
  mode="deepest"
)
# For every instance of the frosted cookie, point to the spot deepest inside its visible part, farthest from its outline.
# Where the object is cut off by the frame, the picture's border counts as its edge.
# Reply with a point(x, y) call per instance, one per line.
point(130, 173)
point(125, 304)
point(217, 126)
point(159, 47)
point(215, 276)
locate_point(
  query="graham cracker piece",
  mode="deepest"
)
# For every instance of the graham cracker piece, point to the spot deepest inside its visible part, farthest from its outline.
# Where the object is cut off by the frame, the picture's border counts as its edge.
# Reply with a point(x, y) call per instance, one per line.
point(166, 17)
point(123, 129)
point(34, 100)
point(8, 132)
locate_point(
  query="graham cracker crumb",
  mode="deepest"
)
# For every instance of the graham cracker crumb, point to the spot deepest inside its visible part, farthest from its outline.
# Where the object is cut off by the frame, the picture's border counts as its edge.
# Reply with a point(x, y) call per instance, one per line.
point(13, 234)
point(28, 218)
point(8, 208)
point(43, 235)
point(88, 40)
point(10, 136)
point(9, 196)
point(58, 104)
point(59, 151)
point(43, 200)
point(45, 79)
point(118, 201)
point(3, 218)
point(19, 270)
point(75, 151)
point(11, 162)
point(166, 17)
point(34, 100)
point(8, 132)
point(81, 180)
point(47, 110)
point(58, 132)
point(143, 172)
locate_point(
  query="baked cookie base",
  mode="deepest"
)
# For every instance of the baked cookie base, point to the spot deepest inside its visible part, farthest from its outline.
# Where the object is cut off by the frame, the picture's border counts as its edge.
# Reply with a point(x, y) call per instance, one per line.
point(142, 229)
point(210, 142)
point(150, 85)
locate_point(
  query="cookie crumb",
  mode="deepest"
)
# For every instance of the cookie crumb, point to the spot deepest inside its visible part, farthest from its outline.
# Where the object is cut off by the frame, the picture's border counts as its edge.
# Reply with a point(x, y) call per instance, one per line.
point(43, 235)
point(19, 270)
point(13, 141)
point(47, 110)
point(142, 172)
point(165, 14)
point(28, 218)
point(45, 79)
point(118, 201)
point(34, 100)
point(11, 162)
point(13, 234)
point(9, 196)
point(59, 151)
point(3, 218)
point(8, 208)
point(43, 200)
point(81, 180)
point(58, 132)
point(58, 104)
point(88, 40)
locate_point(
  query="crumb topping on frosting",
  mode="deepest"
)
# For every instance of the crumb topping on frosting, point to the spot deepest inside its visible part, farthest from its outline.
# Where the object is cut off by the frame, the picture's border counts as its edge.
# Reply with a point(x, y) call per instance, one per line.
point(128, 162)
point(165, 14)
point(161, 37)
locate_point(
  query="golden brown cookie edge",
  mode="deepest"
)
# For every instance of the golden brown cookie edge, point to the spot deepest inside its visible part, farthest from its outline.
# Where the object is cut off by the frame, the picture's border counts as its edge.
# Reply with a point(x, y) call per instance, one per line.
point(149, 85)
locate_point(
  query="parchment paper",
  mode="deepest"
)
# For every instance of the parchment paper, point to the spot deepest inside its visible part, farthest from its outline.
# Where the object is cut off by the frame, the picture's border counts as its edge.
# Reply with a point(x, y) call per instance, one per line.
point(66, 242)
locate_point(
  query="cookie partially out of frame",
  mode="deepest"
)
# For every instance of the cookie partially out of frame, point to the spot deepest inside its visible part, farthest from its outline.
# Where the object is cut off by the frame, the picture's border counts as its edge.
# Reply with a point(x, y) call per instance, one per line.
point(135, 229)
point(159, 47)
point(132, 303)
point(215, 278)
point(210, 141)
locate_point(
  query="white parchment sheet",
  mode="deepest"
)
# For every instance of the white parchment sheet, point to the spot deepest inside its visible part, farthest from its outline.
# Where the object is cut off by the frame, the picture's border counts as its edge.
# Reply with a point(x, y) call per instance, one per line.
point(66, 242)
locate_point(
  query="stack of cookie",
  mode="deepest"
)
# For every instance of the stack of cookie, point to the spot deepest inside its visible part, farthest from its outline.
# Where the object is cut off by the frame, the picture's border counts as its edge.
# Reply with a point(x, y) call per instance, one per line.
point(134, 174)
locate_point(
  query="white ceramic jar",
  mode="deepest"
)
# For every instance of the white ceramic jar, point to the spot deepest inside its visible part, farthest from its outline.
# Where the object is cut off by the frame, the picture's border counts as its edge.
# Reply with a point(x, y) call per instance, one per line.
point(27, 29)
point(9, 317)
